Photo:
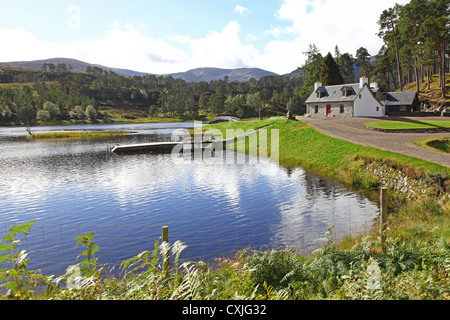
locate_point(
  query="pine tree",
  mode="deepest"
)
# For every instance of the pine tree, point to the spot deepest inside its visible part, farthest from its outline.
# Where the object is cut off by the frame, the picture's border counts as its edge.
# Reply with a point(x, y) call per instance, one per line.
point(363, 61)
point(310, 71)
point(330, 74)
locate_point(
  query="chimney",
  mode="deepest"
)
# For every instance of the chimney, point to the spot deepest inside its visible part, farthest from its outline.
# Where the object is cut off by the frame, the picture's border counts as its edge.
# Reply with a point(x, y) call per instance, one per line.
point(317, 85)
point(374, 86)
point(362, 81)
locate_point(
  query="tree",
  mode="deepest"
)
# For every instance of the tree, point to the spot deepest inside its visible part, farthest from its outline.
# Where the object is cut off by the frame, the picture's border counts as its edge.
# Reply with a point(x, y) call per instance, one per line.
point(387, 22)
point(409, 26)
point(153, 110)
point(439, 35)
point(52, 67)
point(43, 115)
point(363, 61)
point(255, 101)
point(78, 113)
point(295, 105)
point(26, 114)
point(5, 113)
point(330, 73)
point(346, 64)
point(310, 70)
point(217, 101)
point(383, 69)
point(51, 108)
point(91, 113)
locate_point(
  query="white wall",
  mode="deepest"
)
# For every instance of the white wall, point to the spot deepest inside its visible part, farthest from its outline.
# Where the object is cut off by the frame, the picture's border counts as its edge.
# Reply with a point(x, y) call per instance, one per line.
point(367, 105)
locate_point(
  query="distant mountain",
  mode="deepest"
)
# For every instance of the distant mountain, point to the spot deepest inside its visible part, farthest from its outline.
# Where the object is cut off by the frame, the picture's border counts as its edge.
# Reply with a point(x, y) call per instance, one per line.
point(77, 65)
point(194, 75)
point(211, 74)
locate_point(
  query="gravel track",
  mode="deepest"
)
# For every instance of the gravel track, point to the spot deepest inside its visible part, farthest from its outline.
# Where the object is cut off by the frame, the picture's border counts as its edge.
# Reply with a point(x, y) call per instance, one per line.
point(353, 130)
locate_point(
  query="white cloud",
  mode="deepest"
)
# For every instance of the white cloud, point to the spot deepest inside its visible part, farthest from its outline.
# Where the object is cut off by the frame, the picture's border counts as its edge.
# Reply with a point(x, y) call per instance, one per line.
point(124, 47)
point(181, 39)
point(350, 24)
point(121, 47)
point(240, 9)
point(19, 44)
point(223, 49)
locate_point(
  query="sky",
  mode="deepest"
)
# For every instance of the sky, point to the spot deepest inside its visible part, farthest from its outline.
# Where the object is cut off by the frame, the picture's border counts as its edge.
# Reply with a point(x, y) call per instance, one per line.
point(167, 36)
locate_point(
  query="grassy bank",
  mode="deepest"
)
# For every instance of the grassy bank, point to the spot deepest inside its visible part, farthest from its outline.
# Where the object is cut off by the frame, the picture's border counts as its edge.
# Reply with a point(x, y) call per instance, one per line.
point(414, 263)
point(435, 144)
point(301, 145)
point(67, 134)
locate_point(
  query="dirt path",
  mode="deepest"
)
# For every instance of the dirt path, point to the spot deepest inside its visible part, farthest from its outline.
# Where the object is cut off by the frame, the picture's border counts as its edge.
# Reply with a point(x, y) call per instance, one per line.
point(353, 130)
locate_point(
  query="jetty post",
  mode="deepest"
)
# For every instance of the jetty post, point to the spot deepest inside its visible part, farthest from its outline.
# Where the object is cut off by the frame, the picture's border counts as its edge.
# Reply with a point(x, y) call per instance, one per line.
point(165, 238)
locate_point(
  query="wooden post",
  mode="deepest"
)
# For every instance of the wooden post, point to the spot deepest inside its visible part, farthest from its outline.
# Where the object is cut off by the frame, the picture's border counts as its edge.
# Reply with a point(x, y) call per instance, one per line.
point(165, 238)
point(383, 216)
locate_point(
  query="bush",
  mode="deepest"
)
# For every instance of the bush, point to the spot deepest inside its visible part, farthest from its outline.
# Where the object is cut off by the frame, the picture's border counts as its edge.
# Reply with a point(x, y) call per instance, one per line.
point(43, 115)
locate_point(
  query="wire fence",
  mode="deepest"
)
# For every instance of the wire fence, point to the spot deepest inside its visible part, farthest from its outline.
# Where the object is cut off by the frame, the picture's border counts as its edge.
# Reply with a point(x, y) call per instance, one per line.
point(52, 248)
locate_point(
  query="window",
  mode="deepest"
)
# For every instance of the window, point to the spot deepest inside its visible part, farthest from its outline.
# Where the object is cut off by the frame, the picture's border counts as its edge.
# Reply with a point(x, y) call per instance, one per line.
point(402, 108)
point(341, 108)
point(378, 109)
point(316, 109)
point(321, 92)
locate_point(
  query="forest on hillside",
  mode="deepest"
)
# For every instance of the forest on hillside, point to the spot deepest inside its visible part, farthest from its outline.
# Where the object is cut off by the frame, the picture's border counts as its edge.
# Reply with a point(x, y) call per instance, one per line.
point(416, 45)
point(29, 95)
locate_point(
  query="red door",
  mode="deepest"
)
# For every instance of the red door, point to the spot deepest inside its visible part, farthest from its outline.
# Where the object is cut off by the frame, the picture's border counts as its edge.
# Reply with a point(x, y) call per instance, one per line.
point(328, 109)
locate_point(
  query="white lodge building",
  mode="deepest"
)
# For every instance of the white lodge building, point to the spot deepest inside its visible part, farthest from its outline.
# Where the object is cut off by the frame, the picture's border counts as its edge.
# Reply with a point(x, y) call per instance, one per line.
point(345, 100)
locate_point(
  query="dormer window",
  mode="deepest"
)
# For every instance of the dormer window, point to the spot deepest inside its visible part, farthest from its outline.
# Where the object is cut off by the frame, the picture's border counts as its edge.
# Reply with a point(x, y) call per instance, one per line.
point(321, 92)
point(346, 91)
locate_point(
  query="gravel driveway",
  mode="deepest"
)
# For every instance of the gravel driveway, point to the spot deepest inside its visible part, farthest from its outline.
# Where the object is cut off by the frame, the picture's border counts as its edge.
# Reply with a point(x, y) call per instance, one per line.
point(353, 130)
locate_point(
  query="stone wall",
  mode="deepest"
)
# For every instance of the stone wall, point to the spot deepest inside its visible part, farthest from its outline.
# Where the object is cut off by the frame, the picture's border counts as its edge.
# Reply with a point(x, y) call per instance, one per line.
point(396, 179)
point(335, 109)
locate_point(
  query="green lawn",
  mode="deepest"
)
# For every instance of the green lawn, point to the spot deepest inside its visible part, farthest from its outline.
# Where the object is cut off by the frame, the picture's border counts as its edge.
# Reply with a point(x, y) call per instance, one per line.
point(435, 144)
point(413, 124)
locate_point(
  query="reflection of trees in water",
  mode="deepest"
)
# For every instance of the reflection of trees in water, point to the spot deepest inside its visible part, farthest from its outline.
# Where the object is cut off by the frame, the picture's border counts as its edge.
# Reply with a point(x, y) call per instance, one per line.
point(320, 204)
point(317, 187)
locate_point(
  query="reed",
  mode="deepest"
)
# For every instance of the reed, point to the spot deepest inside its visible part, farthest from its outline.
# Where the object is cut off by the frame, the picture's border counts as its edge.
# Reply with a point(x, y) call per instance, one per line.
point(68, 134)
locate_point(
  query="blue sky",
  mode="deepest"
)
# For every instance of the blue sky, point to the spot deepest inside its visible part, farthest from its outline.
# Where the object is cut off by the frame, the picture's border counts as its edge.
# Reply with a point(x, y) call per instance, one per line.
point(167, 36)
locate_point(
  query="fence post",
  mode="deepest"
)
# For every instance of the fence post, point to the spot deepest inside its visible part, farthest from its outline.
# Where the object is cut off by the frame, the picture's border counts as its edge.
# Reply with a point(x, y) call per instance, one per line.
point(383, 216)
point(165, 238)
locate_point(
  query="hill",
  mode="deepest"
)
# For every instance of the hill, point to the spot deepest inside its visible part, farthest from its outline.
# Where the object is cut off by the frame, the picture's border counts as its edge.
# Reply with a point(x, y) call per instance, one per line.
point(212, 74)
point(77, 66)
point(431, 94)
point(194, 75)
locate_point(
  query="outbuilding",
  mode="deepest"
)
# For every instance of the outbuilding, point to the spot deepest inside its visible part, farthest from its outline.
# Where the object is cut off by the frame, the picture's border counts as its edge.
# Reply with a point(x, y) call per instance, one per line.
point(397, 103)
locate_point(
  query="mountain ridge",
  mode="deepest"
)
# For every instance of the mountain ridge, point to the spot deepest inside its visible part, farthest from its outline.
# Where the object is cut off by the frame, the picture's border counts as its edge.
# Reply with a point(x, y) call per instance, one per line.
point(194, 75)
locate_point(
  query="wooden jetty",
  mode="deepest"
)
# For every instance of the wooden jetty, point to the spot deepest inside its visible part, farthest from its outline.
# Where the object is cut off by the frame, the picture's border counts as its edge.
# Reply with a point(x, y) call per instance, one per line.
point(163, 147)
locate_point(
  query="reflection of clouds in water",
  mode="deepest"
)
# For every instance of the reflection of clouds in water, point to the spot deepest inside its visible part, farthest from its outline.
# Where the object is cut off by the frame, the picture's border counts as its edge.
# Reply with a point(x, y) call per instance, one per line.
point(222, 181)
point(307, 217)
point(261, 203)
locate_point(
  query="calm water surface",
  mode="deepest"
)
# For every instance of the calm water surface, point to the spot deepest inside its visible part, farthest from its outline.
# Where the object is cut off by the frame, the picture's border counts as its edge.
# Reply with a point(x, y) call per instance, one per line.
point(75, 187)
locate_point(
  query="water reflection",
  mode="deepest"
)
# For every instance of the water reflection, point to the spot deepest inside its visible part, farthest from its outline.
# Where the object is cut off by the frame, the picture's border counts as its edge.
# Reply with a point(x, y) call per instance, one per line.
point(77, 187)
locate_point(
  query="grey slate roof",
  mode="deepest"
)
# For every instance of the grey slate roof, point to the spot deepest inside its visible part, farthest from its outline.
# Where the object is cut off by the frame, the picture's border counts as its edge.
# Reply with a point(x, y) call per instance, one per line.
point(399, 98)
point(334, 93)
